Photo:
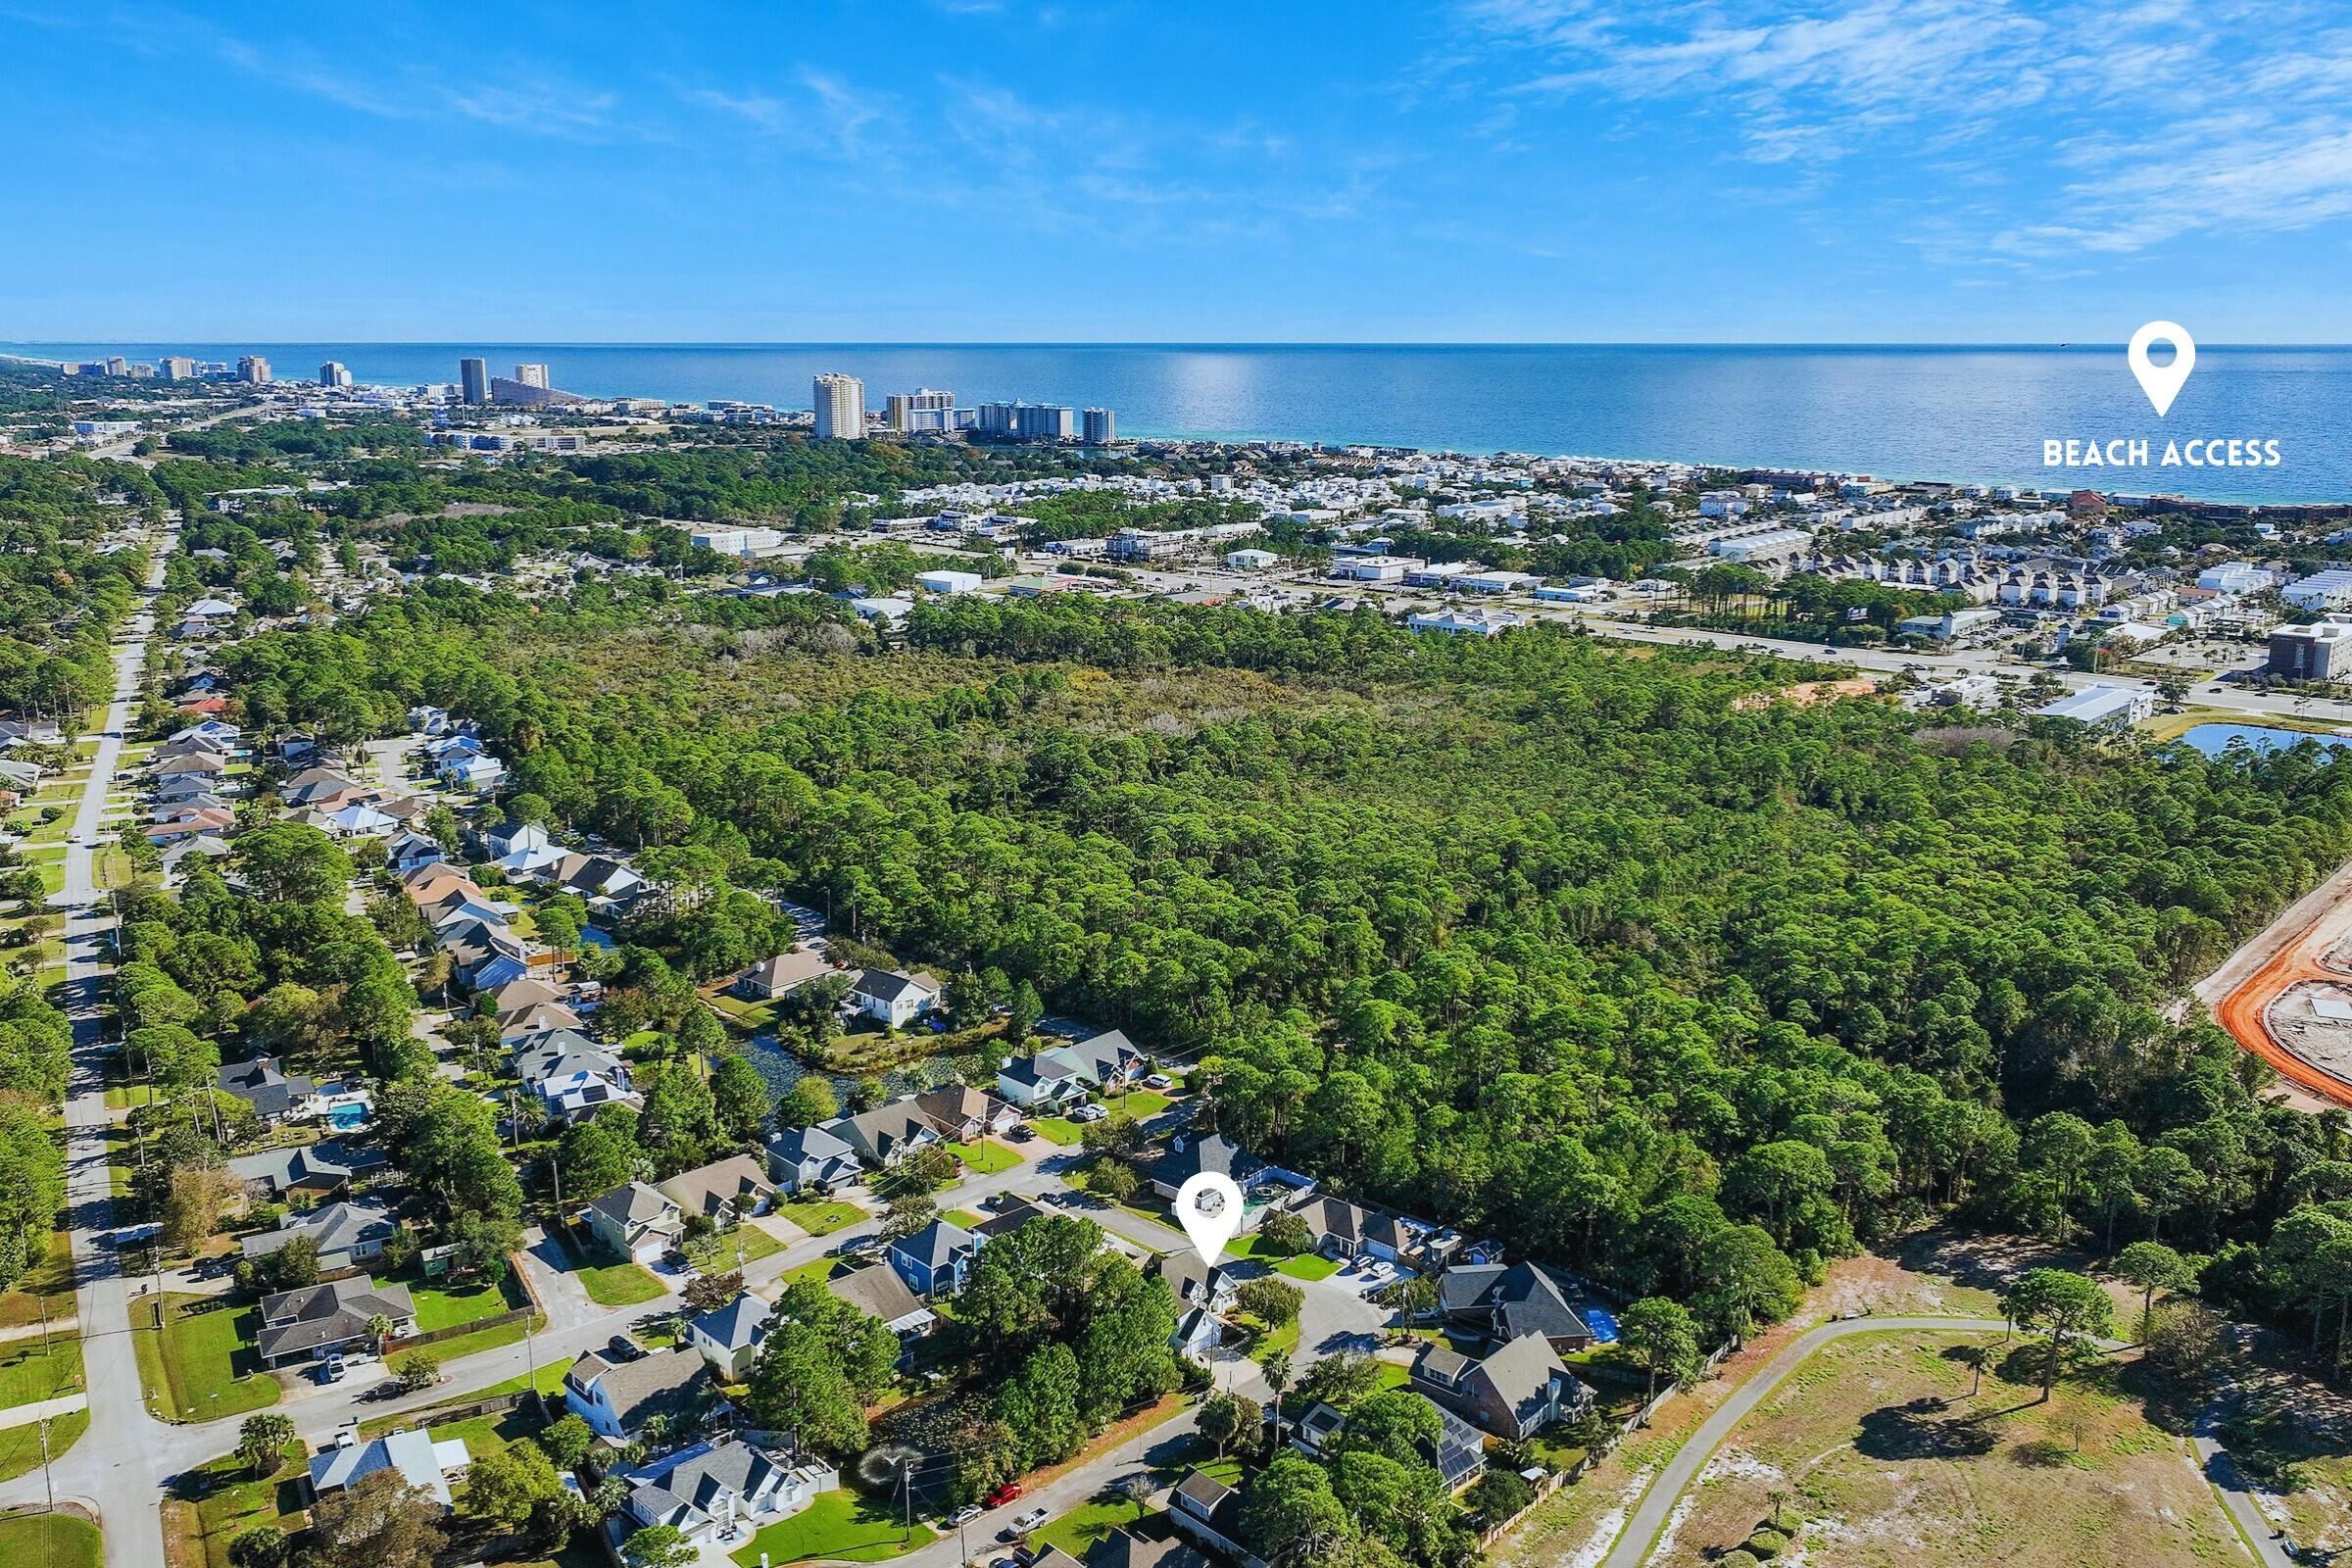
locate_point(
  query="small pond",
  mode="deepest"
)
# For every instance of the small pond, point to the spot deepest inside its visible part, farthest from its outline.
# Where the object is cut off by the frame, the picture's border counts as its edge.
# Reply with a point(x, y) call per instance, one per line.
point(2214, 739)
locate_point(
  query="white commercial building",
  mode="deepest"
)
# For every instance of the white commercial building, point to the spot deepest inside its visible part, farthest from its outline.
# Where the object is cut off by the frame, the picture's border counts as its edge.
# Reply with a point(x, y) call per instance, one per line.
point(947, 582)
point(2236, 577)
point(840, 408)
point(2110, 706)
point(2321, 591)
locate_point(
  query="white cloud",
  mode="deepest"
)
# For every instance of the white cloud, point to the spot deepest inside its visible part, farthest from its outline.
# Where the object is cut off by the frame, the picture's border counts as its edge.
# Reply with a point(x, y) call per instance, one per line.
point(2112, 129)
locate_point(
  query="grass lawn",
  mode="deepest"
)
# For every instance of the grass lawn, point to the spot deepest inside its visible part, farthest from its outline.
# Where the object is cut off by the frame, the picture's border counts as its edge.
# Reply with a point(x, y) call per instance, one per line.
point(445, 1306)
point(213, 1505)
point(50, 1283)
point(27, 1374)
point(1055, 1130)
point(752, 1240)
point(20, 1444)
point(1284, 1339)
point(201, 1365)
point(1299, 1265)
point(550, 1378)
point(483, 1434)
point(444, 1351)
point(987, 1156)
point(841, 1526)
point(820, 1217)
point(966, 1218)
point(1077, 1531)
point(618, 1284)
point(52, 1540)
point(1887, 1457)
point(817, 1272)
point(1141, 1103)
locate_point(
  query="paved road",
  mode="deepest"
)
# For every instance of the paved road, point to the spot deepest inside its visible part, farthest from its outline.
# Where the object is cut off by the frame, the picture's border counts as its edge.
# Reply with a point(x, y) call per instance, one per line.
point(1640, 1534)
point(107, 1467)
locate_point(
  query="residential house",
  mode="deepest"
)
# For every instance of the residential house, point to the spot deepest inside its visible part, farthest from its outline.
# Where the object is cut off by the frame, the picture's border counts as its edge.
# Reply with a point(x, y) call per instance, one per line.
point(413, 1451)
point(410, 850)
point(716, 1492)
point(546, 1018)
point(1190, 1152)
point(600, 879)
point(934, 1260)
point(728, 1337)
point(274, 1095)
point(1107, 1062)
point(724, 1191)
point(1511, 1301)
point(205, 763)
point(201, 822)
point(636, 1221)
point(963, 1112)
point(1040, 1082)
point(1193, 1282)
point(885, 1134)
point(480, 773)
point(1350, 1231)
point(1197, 1334)
point(802, 1158)
point(282, 1172)
point(331, 1319)
point(615, 1397)
point(894, 997)
point(318, 786)
point(349, 1233)
point(781, 975)
point(1209, 1512)
point(203, 847)
point(484, 956)
point(519, 994)
point(544, 1053)
point(1124, 1549)
point(358, 821)
point(521, 847)
point(1011, 1213)
point(1515, 1392)
point(879, 1292)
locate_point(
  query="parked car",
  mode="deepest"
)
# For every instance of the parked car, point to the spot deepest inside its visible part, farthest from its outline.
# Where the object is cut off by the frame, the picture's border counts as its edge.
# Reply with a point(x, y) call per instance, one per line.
point(1003, 1495)
point(963, 1515)
point(1160, 1080)
point(332, 1370)
point(1031, 1520)
point(1022, 1133)
point(1089, 1113)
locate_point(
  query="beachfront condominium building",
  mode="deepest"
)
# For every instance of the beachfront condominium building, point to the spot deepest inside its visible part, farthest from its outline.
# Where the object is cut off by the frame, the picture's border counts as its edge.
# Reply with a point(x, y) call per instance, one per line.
point(840, 408)
point(1100, 428)
point(923, 409)
point(1046, 421)
point(531, 375)
point(253, 368)
point(997, 418)
point(177, 367)
point(473, 376)
point(332, 373)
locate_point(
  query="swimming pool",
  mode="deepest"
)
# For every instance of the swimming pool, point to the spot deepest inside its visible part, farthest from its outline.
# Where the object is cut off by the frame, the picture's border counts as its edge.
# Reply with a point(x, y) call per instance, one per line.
point(1603, 1324)
point(345, 1117)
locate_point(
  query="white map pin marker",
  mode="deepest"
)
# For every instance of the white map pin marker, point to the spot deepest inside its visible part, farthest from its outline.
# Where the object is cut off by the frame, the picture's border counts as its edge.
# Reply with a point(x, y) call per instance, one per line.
point(2163, 383)
point(1211, 1206)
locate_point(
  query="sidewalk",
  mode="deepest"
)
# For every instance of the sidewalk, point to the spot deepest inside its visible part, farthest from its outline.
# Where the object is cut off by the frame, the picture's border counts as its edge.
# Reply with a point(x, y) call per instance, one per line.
point(18, 1416)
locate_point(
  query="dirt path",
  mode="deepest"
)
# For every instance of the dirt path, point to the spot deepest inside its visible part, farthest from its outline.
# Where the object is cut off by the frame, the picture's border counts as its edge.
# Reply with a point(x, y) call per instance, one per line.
point(2293, 948)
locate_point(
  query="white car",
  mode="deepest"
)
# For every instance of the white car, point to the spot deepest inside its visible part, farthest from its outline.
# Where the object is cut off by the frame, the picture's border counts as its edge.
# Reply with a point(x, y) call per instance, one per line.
point(1031, 1520)
point(1160, 1080)
point(963, 1515)
point(1087, 1114)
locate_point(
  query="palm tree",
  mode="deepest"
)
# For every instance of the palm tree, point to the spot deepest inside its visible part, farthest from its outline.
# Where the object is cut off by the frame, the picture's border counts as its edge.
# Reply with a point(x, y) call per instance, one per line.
point(379, 1329)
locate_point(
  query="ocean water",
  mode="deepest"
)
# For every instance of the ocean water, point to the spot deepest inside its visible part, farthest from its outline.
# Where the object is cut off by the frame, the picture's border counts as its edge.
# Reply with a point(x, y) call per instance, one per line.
point(1899, 413)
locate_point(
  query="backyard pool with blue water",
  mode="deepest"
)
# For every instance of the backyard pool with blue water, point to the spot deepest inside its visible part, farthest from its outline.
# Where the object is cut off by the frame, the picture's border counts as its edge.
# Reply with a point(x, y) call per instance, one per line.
point(1603, 1324)
point(346, 1118)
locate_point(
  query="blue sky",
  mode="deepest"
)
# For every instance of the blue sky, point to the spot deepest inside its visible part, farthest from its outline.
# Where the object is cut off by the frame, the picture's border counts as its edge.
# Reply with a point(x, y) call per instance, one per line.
point(1978, 171)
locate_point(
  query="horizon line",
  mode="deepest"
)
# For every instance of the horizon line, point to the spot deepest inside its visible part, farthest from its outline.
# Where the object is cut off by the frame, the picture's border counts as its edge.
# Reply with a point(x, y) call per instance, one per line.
point(1141, 343)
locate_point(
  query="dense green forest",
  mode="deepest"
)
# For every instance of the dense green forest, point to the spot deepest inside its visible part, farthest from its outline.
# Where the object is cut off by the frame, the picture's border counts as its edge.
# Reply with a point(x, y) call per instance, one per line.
point(60, 600)
point(1540, 935)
